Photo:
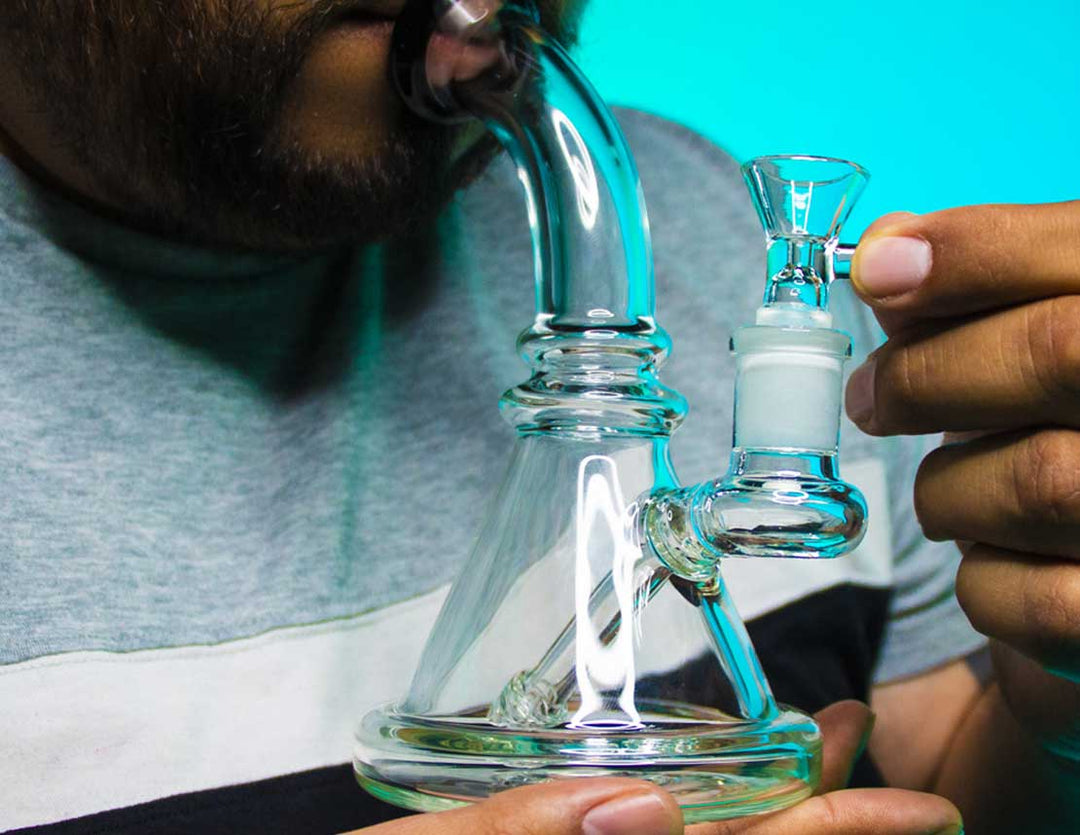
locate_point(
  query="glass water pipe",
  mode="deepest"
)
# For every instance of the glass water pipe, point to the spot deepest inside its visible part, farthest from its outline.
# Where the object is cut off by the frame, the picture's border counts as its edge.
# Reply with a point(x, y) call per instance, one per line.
point(590, 632)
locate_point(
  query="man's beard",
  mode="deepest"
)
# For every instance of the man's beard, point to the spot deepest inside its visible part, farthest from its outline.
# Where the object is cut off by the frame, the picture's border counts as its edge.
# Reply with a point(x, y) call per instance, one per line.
point(176, 110)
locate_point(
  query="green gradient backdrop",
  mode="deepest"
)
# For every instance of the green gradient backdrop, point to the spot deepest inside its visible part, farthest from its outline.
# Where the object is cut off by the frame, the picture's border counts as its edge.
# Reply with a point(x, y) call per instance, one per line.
point(947, 103)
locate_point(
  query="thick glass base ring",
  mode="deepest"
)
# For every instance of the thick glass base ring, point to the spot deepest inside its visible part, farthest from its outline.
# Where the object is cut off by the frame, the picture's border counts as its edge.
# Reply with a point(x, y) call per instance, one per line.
point(714, 770)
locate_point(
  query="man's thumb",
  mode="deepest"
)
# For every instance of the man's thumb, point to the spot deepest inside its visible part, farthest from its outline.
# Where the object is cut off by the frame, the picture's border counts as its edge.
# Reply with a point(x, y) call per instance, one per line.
point(600, 806)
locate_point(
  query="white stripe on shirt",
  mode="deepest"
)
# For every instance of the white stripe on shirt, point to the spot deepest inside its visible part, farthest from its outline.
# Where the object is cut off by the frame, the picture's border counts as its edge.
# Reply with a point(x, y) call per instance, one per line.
point(85, 732)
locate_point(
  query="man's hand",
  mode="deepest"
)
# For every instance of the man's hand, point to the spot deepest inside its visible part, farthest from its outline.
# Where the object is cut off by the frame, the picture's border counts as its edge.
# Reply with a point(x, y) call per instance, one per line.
point(629, 807)
point(982, 309)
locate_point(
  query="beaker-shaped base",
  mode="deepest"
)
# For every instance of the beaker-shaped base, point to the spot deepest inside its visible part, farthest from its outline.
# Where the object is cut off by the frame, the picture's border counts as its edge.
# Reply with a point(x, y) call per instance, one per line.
point(567, 648)
point(716, 766)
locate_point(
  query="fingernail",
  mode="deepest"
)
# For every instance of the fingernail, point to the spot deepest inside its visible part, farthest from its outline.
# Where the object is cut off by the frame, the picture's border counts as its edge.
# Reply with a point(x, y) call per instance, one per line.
point(859, 400)
point(952, 829)
point(890, 266)
point(642, 813)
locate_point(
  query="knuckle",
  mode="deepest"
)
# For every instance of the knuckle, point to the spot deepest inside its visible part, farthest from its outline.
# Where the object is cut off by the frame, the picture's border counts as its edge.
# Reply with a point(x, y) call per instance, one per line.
point(828, 814)
point(505, 826)
point(1050, 604)
point(1053, 345)
point(951, 232)
point(499, 817)
point(1046, 477)
point(900, 384)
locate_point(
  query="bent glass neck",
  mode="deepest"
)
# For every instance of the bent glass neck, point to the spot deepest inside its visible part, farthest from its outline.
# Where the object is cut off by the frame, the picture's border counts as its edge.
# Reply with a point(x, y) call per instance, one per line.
point(593, 254)
point(594, 345)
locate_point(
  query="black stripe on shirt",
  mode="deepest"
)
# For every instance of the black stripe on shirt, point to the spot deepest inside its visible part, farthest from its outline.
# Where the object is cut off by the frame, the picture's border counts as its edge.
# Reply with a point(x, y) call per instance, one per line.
point(816, 651)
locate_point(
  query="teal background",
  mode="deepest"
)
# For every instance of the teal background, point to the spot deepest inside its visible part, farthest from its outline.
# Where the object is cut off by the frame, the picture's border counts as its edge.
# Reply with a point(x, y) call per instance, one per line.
point(947, 103)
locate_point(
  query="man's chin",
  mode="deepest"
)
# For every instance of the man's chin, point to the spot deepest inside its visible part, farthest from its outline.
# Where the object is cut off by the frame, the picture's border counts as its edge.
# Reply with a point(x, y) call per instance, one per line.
point(296, 198)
